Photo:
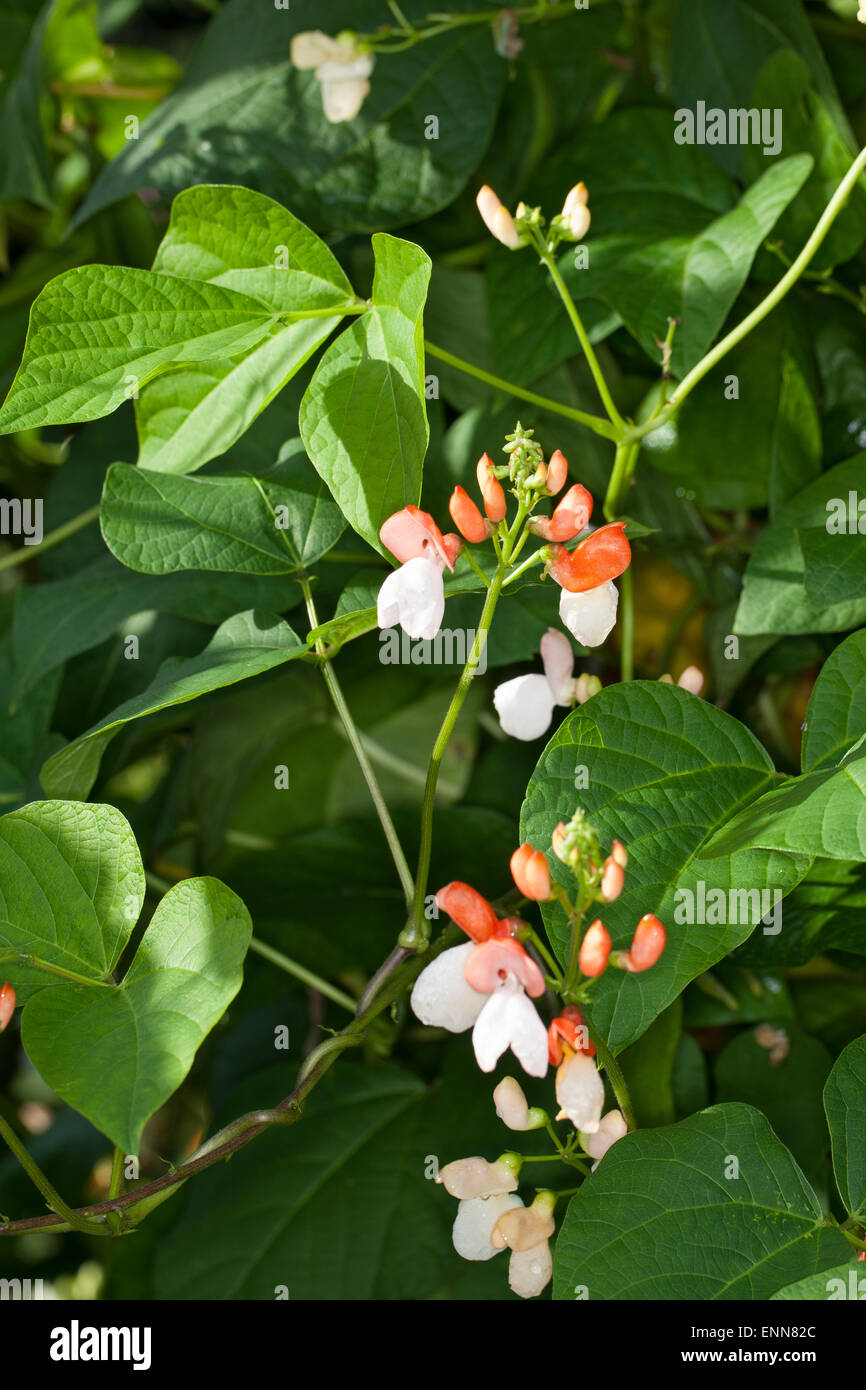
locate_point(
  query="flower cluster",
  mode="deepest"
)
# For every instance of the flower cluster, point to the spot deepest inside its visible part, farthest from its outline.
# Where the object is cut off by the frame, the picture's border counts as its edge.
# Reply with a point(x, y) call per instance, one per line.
point(413, 596)
point(489, 984)
point(514, 231)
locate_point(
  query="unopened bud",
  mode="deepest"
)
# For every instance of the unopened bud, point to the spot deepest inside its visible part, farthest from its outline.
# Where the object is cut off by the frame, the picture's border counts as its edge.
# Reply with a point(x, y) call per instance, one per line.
point(466, 517)
point(692, 679)
point(647, 945)
point(594, 950)
point(619, 853)
point(497, 219)
point(523, 1228)
point(612, 880)
point(512, 1107)
point(530, 872)
point(492, 491)
point(611, 1127)
point(575, 212)
point(475, 1177)
point(7, 1005)
point(585, 687)
point(557, 472)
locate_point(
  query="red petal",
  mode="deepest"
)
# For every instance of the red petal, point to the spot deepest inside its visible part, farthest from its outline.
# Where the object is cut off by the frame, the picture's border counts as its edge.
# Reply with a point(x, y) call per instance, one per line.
point(485, 967)
point(410, 533)
point(602, 556)
point(594, 949)
point(469, 909)
point(466, 516)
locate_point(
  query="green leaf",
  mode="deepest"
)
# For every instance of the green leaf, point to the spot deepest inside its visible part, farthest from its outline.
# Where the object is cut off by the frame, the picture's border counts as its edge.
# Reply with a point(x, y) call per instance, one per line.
point(834, 566)
point(836, 717)
point(243, 105)
point(71, 889)
point(665, 770)
point(761, 445)
point(245, 242)
point(786, 1090)
point(118, 1053)
point(842, 1282)
point(98, 332)
point(711, 1236)
point(362, 419)
point(719, 47)
point(58, 620)
point(843, 1102)
point(24, 167)
point(821, 814)
point(775, 598)
point(243, 647)
point(648, 1067)
point(276, 523)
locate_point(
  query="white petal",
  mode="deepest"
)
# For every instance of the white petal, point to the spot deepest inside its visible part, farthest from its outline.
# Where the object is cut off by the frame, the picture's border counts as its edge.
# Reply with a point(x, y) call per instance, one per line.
point(313, 48)
point(530, 1271)
point(342, 97)
point(580, 1092)
point(414, 597)
point(441, 997)
point(525, 706)
point(473, 1225)
point(590, 617)
point(611, 1128)
point(558, 657)
point(475, 1177)
point(509, 1019)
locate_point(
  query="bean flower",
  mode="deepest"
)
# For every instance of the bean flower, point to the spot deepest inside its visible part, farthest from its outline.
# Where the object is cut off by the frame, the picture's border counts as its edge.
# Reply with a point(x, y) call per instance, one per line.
point(525, 704)
point(485, 984)
point(341, 69)
point(413, 596)
point(491, 1217)
point(7, 1006)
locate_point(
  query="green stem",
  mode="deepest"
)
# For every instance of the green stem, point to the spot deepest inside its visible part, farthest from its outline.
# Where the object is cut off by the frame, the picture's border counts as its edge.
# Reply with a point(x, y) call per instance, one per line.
point(30, 552)
point(613, 414)
point(115, 1186)
point(592, 422)
point(52, 1197)
point(608, 1063)
point(742, 329)
point(627, 626)
point(354, 737)
point(30, 962)
point(534, 559)
point(300, 972)
point(415, 935)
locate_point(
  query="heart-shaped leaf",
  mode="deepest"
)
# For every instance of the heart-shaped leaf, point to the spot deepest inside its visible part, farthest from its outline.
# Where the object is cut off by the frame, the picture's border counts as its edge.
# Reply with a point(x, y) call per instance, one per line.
point(713, 1208)
point(117, 1053)
point(836, 716)
point(71, 890)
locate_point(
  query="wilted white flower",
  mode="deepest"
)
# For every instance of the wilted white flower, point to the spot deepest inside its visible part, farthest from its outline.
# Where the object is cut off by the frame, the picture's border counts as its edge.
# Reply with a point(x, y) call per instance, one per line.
point(475, 1221)
point(580, 1092)
point(341, 69)
point(525, 704)
point(475, 1177)
point(611, 1127)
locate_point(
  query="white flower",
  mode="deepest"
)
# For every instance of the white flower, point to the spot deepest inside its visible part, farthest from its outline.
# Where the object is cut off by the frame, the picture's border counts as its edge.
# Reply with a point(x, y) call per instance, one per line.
point(530, 1271)
point(861, 13)
point(474, 1223)
point(580, 1092)
point(340, 68)
point(590, 616)
point(611, 1127)
point(495, 1002)
point(441, 997)
point(525, 704)
point(414, 597)
point(508, 1019)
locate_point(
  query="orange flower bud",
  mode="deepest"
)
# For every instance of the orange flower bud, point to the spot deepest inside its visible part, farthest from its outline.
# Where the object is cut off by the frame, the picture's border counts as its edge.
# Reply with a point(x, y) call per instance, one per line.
point(594, 949)
point(557, 472)
point(497, 219)
point(647, 944)
point(466, 516)
point(469, 910)
point(568, 519)
point(602, 556)
point(619, 853)
point(452, 545)
point(530, 872)
point(612, 880)
point(7, 1005)
point(492, 491)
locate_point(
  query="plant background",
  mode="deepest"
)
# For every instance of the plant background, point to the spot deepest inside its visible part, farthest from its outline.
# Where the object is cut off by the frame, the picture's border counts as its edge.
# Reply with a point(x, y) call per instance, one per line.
point(339, 1207)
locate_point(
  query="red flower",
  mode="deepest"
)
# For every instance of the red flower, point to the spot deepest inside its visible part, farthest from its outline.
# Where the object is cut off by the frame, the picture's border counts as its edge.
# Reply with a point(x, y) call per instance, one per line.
point(602, 556)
